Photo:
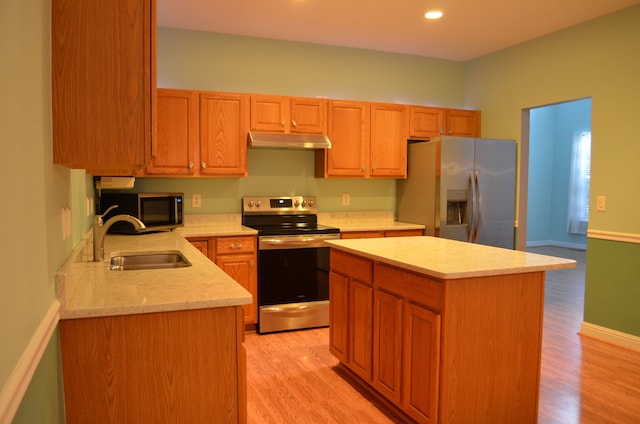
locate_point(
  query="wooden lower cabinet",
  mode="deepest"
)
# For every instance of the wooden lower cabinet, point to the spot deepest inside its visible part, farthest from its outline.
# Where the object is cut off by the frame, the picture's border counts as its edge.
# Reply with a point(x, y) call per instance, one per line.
point(374, 234)
point(237, 256)
point(180, 366)
point(463, 350)
point(351, 312)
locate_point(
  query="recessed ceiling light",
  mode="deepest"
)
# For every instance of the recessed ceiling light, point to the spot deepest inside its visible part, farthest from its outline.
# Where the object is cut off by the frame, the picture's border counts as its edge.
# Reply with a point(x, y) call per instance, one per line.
point(433, 14)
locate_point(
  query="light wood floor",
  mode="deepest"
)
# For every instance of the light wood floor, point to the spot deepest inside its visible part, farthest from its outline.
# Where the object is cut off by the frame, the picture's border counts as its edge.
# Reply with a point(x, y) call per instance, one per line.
point(292, 377)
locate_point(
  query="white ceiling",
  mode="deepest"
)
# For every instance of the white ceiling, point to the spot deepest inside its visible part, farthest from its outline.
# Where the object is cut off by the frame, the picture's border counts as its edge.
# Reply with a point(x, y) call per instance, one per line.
point(469, 28)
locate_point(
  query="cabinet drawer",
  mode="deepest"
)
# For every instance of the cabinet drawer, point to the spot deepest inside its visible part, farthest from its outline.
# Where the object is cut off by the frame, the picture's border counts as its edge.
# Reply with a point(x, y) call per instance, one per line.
point(230, 245)
point(411, 286)
point(359, 268)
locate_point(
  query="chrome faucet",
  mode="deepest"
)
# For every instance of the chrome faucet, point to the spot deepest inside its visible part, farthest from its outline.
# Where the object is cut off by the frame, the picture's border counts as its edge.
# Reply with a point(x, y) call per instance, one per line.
point(100, 230)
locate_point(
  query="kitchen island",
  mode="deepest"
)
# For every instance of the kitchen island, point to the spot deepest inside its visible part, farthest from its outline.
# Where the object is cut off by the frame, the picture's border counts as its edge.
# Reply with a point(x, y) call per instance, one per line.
point(153, 345)
point(446, 331)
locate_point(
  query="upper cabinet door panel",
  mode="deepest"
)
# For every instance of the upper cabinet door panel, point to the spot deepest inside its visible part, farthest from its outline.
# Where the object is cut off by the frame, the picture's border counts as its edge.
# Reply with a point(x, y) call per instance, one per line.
point(388, 141)
point(348, 130)
point(102, 82)
point(462, 123)
point(174, 147)
point(269, 113)
point(223, 134)
point(425, 122)
point(309, 116)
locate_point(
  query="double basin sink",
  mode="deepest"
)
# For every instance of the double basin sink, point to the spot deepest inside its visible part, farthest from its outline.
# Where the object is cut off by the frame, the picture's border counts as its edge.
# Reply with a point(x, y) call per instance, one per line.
point(159, 259)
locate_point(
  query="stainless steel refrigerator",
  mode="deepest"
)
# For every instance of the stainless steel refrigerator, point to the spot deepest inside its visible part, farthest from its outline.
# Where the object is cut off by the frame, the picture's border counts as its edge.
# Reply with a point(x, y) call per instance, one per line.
point(461, 188)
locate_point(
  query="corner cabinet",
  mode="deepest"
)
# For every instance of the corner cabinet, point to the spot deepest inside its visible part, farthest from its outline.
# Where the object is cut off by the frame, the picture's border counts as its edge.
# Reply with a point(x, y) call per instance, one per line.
point(200, 134)
point(103, 83)
point(237, 256)
point(179, 366)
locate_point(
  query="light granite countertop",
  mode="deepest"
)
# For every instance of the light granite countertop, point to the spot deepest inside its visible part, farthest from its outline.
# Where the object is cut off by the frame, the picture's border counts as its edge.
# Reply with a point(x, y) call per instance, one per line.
point(449, 259)
point(365, 221)
point(89, 289)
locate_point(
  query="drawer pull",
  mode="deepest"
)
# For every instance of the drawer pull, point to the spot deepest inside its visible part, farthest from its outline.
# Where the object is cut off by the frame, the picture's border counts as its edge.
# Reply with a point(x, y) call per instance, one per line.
point(236, 245)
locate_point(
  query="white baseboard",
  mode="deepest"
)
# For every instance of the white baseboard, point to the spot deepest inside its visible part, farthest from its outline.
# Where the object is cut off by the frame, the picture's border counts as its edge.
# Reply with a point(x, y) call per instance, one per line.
point(608, 335)
point(556, 243)
point(19, 380)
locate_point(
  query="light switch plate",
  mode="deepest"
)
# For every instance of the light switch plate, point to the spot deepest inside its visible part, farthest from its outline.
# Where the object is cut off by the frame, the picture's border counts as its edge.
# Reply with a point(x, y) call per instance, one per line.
point(601, 203)
point(346, 199)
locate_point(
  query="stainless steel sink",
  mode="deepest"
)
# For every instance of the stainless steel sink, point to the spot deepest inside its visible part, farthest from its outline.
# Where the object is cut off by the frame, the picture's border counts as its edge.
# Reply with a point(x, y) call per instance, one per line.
point(148, 260)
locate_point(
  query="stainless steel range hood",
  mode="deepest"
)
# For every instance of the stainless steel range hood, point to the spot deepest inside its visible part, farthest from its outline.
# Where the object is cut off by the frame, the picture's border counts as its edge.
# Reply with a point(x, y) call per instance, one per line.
point(288, 141)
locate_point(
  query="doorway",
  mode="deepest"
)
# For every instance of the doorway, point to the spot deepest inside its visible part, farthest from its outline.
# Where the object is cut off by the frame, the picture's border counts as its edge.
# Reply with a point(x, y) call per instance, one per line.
point(550, 166)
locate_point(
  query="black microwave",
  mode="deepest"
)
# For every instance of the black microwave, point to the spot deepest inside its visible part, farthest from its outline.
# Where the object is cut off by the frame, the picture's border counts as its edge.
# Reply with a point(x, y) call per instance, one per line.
point(158, 211)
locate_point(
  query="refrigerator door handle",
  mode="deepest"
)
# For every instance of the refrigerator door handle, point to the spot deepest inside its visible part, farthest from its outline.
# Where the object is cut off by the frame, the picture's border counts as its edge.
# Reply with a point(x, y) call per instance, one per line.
point(478, 208)
point(471, 210)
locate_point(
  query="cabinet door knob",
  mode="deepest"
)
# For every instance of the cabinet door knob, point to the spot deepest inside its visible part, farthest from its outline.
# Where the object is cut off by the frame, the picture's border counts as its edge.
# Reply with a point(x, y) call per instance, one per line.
point(294, 123)
point(203, 165)
point(282, 123)
point(190, 165)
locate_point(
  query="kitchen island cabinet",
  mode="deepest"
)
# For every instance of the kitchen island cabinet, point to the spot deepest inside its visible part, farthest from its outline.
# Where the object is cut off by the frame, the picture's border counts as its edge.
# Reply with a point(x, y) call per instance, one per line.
point(103, 84)
point(457, 327)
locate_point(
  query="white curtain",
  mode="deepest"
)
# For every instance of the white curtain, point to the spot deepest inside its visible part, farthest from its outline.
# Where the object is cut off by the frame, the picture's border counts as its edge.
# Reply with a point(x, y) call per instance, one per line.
point(578, 214)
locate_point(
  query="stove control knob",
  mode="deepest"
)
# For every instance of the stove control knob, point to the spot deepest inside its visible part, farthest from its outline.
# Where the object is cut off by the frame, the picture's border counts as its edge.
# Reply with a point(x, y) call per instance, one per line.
point(258, 203)
point(296, 203)
point(304, 203)
point(310, 202)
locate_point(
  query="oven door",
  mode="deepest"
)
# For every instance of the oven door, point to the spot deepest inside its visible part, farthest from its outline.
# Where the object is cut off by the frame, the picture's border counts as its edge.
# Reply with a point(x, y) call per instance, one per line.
point(293, 282)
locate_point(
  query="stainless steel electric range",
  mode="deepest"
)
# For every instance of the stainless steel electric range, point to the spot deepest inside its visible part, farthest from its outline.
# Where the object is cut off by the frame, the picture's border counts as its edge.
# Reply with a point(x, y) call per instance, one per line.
point(293, 261)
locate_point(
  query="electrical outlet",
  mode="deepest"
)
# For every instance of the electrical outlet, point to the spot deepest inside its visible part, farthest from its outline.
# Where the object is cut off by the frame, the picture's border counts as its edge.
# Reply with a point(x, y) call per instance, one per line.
point(601, 203)
point(346, 199)
point(196, 200)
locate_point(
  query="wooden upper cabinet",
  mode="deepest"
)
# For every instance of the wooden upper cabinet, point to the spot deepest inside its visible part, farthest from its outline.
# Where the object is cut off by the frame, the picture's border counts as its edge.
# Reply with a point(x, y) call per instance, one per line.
point(288, 114)
point(174, 150)
point(425, 122)
point(388, 145)
point(308, 116)
point(348, 129)
point(223, 134)
point(462, 123)
point(269, 113)
point(103, 83)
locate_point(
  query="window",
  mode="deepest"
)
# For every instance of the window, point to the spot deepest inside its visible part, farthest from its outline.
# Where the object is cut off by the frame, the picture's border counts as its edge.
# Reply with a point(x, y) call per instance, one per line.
point(579, 181)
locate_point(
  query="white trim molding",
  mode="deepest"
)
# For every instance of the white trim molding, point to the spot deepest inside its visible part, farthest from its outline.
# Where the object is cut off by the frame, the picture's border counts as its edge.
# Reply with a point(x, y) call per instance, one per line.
point(613, 236)
point(608, 335)
point(19, 380)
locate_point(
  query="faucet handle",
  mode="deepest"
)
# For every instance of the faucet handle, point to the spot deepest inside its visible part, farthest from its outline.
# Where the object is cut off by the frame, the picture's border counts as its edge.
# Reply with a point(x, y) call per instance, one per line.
point(99, 217)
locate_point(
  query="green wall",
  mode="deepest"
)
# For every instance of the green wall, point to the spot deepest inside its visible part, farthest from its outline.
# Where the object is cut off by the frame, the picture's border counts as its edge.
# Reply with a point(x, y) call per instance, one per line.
point(209, 61)
point(598, 59)
point(34, 190)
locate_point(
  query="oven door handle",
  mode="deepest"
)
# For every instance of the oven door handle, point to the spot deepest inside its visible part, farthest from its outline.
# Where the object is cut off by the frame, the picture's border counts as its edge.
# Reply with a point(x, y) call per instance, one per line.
point(301, 242)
